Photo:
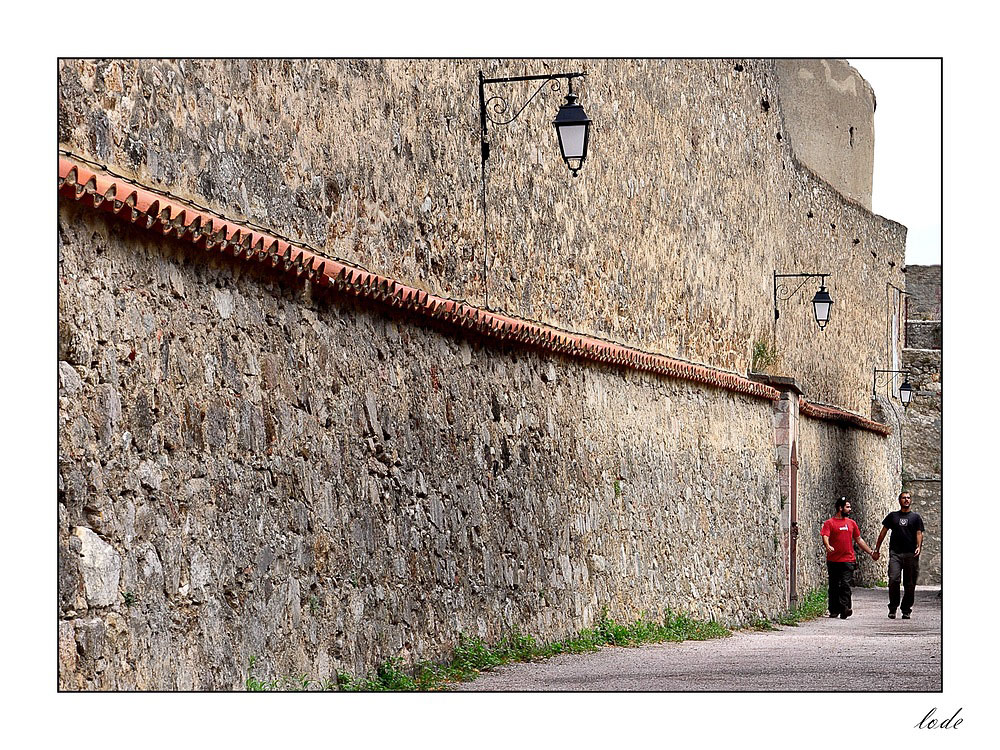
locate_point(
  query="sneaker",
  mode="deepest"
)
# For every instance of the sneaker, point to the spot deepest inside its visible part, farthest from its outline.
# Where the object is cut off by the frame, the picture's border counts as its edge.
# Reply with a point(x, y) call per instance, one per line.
point(834, 614)
point(846, 613)
point(892, 615)
point(906, 615)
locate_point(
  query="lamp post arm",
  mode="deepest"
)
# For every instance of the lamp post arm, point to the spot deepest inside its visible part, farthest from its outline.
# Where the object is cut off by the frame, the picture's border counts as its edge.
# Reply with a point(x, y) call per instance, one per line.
point(514, 79)
point(500, 105)
point(782, 292)
point(876, 372)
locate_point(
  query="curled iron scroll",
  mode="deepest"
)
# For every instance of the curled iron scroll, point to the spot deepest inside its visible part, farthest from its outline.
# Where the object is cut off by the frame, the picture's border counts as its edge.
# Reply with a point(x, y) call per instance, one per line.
point(500, 106)
point(782, 292)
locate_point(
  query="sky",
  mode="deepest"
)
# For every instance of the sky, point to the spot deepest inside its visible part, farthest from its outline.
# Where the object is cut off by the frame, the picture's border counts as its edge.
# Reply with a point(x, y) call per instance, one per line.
point(907, 180)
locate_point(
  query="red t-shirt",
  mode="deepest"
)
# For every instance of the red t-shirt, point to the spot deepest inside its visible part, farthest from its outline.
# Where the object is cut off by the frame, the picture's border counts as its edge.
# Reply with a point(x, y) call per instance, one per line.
point(842, 533)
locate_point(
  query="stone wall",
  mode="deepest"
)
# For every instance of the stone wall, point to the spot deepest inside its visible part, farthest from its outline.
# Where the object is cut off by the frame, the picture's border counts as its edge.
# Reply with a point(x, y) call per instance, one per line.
point(668, 240)
point(924, 285)
point(834, 462)
point(922, 469)
point(829, 111)
point(922, 357)
point(245, 471)
point(927, 501)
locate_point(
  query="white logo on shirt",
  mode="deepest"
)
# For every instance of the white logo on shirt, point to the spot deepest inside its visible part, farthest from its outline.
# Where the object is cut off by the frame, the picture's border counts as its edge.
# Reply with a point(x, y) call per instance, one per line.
point(902, 522)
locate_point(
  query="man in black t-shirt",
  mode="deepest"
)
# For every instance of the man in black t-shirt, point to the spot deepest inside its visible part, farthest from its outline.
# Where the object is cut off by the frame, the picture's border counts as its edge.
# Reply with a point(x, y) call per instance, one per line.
point(904, 553)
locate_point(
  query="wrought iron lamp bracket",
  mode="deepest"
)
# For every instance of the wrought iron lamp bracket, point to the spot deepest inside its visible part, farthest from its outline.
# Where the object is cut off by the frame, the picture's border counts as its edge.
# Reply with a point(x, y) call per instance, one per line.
point(884, 380)
point(782, 291)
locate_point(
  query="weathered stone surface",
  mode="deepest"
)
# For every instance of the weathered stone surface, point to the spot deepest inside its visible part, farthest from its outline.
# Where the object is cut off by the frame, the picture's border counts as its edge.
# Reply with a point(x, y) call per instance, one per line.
point(923, 334)
point(100, 566)
point(67, 653)
point(829, 112)
point(409, 541)
point(922, 431)
point(924, 285)
point(922, 436)
point(928, 502)
point(69, 381)
point(90, 638)
point(150, 475)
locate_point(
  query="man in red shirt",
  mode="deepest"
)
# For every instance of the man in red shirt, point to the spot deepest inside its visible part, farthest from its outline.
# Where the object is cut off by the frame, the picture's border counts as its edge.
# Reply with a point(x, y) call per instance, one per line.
point(838, 535)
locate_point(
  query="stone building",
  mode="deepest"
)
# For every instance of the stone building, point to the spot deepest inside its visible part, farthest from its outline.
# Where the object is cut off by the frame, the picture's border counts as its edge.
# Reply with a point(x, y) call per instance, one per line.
point(310, 414)
point(921, 431)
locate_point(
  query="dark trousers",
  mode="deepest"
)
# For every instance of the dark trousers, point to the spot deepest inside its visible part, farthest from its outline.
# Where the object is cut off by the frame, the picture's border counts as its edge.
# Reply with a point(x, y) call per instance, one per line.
point(903, 565)
point(839, 593)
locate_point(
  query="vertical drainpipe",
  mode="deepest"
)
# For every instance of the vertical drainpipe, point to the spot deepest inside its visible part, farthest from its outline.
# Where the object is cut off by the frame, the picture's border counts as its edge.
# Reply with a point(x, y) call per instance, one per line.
point(793, 494)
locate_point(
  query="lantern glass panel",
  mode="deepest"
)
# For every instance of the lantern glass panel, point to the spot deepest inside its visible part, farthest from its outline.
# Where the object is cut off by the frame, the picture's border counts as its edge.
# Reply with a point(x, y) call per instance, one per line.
point(572, 139)
point(822, 310)
point(905, 393)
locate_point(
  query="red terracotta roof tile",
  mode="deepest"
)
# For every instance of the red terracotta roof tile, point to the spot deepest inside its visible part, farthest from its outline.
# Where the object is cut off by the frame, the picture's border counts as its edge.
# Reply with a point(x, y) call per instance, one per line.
point(833, 414)
point(170, 215)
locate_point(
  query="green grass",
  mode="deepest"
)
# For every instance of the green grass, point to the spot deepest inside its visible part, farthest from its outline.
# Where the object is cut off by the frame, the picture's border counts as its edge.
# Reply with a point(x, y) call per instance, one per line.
point(811, 606)
point(764, 357)
point(473, 655)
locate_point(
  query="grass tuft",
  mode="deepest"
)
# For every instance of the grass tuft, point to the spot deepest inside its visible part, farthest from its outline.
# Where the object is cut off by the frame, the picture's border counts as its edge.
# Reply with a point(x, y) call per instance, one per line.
point(812, 605)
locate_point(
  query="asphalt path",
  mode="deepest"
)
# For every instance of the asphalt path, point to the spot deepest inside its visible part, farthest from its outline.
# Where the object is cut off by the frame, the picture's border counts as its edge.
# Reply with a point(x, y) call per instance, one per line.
point(866, 652)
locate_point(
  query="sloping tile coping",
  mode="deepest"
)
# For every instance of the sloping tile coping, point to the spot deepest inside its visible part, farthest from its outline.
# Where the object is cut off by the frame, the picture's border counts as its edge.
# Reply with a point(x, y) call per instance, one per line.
point(167, 215)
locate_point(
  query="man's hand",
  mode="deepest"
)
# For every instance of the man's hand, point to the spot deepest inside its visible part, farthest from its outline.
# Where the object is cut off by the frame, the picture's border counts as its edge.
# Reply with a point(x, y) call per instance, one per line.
point(916, 552)
point(876, 554)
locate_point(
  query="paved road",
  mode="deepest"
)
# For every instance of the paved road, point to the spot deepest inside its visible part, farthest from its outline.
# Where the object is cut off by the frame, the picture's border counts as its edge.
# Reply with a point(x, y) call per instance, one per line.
point(866, 652)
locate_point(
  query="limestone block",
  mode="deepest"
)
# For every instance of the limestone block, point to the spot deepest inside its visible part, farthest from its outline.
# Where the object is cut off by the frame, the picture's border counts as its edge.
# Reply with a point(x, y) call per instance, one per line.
point(150, 475)
point(70, 382)
point(67, 651)
point(101, 567)
point(90, 638)
point(223, 299)
point(108, 413)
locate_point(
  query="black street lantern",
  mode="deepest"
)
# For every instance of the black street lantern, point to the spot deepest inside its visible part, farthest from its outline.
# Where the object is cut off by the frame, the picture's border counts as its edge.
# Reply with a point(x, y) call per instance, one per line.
point(822, 302)
point(905, 392)
point(573, 128)
point(821, 307)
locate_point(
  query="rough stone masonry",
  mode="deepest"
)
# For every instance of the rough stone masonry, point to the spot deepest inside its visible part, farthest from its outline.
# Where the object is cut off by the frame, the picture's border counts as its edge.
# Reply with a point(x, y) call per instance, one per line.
point(249, 469)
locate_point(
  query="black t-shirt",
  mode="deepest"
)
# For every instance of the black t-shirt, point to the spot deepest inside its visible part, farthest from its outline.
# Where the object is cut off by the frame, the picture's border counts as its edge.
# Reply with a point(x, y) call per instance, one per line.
point(904, 528)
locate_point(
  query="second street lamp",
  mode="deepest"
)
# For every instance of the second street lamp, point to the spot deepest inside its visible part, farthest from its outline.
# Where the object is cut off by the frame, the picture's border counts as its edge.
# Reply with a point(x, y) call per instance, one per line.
point(822, 302)
point(905, 390)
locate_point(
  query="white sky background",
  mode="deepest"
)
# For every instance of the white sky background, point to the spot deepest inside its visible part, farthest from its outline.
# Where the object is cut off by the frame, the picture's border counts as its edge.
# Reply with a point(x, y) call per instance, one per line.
point(907, 181)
